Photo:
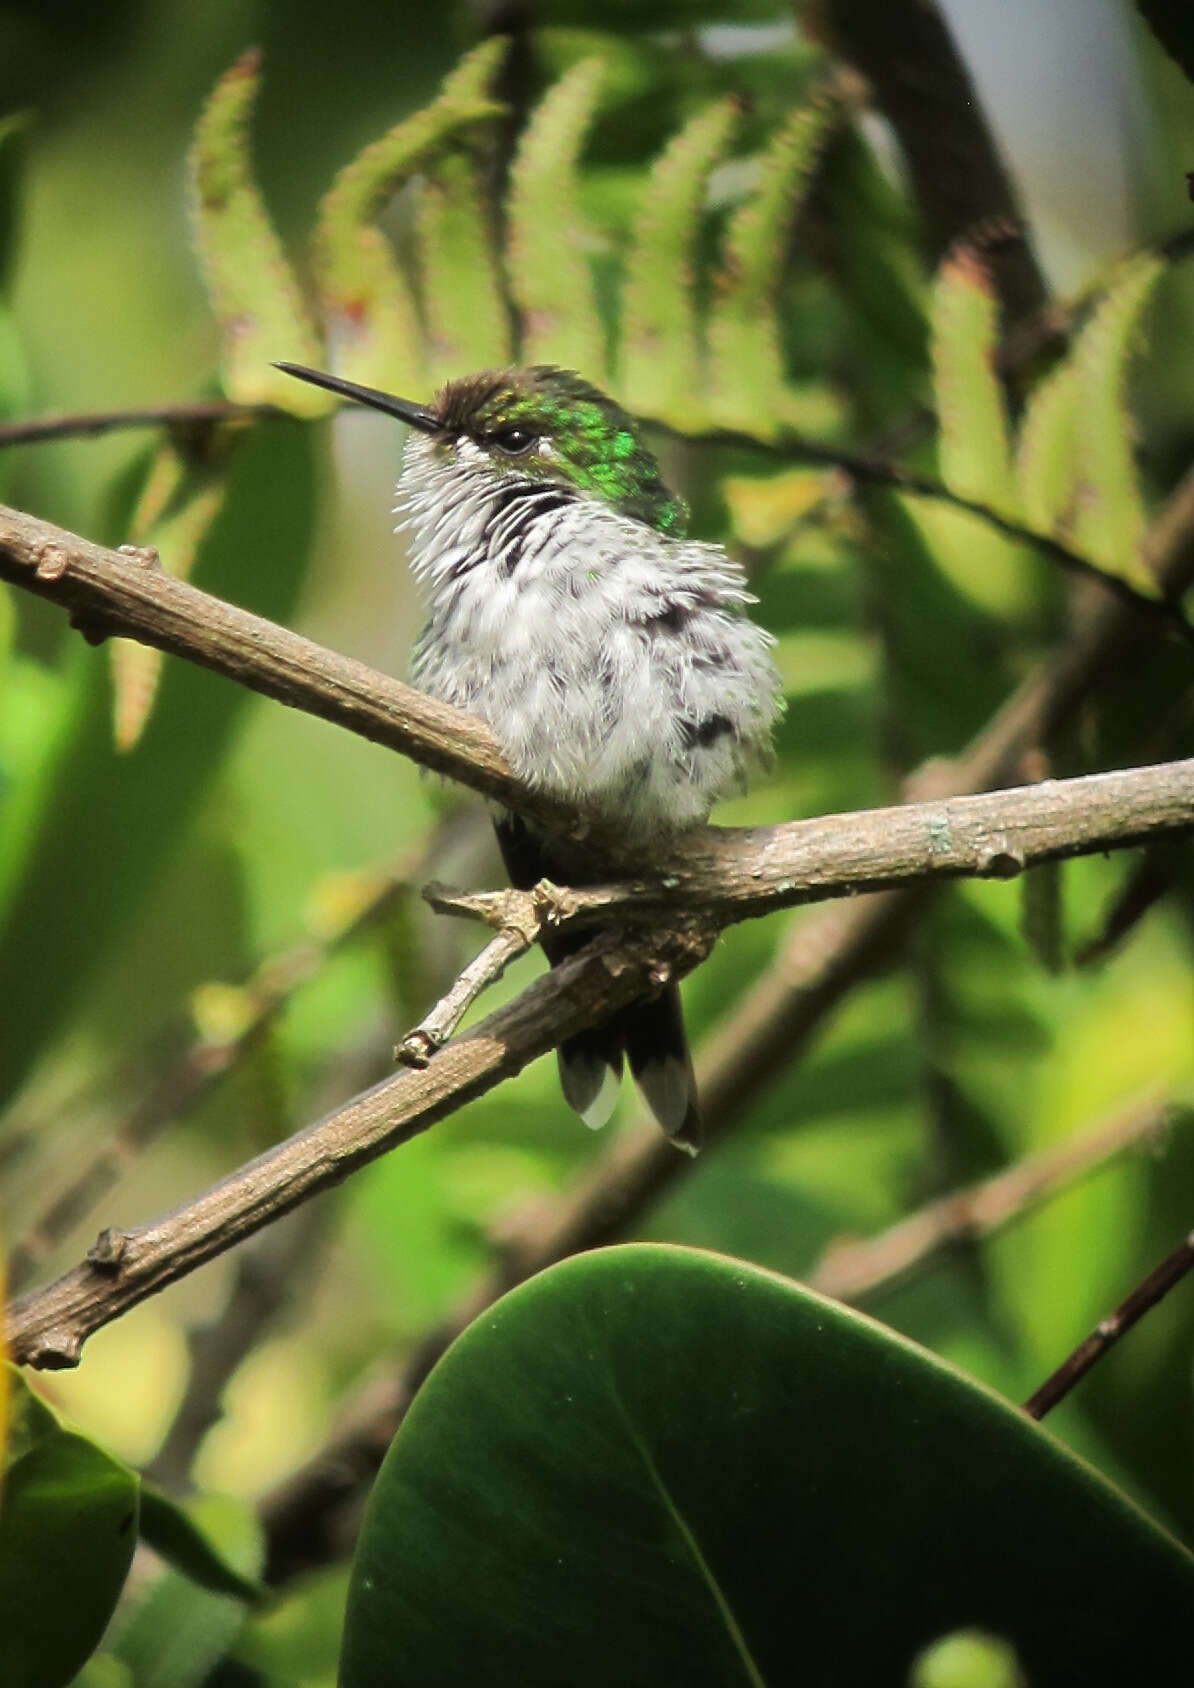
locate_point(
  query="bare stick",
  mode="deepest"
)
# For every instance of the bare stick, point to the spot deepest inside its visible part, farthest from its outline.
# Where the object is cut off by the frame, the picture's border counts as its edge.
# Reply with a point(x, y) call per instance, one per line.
point(81, 424)
point(189, 1078)
point(127, 593)
point(48, 1327)
point(731, 875)
point(436, 1027)
point(880, 472)
point(1108, 1331)
point(852, 1271)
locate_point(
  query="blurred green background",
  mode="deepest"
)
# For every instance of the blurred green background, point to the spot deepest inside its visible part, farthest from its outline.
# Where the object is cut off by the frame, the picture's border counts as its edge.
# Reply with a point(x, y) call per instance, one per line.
point(136, 886)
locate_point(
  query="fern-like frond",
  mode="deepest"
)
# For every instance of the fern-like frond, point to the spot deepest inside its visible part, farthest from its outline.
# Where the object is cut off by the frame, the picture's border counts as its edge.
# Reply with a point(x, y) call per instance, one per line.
point(1110, 518)
point(466, 317)
point(660, 346)
point(746, 372)
point(255, 296)
point(549, 272)
point(1047, 452)
point(975, 454)
point(373, 321)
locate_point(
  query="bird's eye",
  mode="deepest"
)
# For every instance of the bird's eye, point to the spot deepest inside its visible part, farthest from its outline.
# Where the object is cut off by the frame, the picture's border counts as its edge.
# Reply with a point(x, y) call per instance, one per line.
point(513, 442)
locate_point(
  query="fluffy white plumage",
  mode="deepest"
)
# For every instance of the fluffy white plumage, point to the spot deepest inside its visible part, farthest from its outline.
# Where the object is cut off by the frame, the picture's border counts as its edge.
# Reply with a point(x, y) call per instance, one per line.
point(615, 665)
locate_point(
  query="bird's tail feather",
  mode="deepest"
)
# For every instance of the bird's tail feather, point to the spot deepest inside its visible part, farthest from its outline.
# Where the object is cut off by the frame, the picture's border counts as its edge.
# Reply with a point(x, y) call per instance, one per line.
point(649, 1033)
point(591, 1073)
point(657, 1050)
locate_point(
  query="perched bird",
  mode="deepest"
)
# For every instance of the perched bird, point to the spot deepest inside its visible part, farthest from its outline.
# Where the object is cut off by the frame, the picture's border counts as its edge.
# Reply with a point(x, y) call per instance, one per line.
point(611, 657)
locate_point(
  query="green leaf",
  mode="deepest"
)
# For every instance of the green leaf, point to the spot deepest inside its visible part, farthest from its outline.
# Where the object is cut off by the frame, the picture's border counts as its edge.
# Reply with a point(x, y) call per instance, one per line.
point(746, 361)
point(175, 1633)
point(719, 1477)
point(372, 316)
point(253, 291)
point(547, 243)
point(68, 1527)
point(1110, 512)
point(176, 1538)
point(130, 808)
point(1047, 452)
point(659, 363)
point(468, 325)
point(974, 450)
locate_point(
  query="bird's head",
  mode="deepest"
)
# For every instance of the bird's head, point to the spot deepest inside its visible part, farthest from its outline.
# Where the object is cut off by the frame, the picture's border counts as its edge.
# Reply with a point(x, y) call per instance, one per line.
point(538, 425)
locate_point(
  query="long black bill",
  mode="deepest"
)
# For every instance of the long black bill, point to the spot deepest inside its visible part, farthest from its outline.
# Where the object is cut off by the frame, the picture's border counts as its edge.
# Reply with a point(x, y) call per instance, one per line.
point(417, 415)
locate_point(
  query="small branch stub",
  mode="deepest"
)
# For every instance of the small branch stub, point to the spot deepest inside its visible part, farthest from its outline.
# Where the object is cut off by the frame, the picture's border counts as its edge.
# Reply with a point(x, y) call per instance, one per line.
point(107, 1252)
point(1000, 860)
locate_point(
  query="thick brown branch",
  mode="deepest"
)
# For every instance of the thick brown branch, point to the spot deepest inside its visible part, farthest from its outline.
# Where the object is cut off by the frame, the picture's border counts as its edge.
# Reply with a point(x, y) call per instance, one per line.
point(48, 1328)
point(188, 1078)
point(732, 875)
point(127, 593)
point(887, 848)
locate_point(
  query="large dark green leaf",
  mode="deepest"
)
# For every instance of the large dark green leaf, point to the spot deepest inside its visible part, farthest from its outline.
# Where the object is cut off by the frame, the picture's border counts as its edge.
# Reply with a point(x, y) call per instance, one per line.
point(68, 1527)
point(650, 1465)
point(105, 822)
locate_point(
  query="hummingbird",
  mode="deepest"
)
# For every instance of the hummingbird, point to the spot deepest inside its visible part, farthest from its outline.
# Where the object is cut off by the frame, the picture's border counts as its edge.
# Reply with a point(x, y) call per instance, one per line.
point(611, 656)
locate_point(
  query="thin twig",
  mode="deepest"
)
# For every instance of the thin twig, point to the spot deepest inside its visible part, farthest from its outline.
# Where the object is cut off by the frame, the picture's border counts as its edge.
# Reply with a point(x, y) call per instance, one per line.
point(1151, 879)
point(437, 1026)
point(854, 1271)
point(878, 472)
point(867, 470)
point(37, 430)
point(1108, 1331)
